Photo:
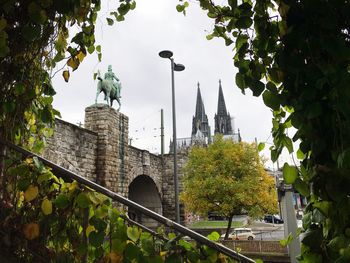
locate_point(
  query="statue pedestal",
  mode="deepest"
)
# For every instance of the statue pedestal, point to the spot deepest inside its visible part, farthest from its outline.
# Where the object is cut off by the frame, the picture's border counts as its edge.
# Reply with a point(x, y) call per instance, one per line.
point(112, 128)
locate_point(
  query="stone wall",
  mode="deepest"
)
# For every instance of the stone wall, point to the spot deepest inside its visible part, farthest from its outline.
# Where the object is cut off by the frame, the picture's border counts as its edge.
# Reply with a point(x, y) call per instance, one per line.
point(112, 146)
point(168, 185)
point(142, 162)
point(100, 152)
point(73, 148)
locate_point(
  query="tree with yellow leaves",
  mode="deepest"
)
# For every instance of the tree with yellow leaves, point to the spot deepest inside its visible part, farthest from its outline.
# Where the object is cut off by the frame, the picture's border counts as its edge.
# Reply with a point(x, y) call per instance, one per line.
point(228, 178)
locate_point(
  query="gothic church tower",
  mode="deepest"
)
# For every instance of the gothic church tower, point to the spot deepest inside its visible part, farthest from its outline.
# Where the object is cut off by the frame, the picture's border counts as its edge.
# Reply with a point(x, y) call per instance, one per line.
point(200, 126)
point(223, 123)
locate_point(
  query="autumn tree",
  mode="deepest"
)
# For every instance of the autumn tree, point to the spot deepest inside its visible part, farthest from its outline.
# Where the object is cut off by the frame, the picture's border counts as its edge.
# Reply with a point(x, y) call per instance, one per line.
point(228, 178)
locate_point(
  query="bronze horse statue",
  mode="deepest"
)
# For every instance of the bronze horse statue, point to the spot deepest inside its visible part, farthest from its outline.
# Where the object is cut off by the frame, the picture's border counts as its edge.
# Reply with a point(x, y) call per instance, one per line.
point(110, 89)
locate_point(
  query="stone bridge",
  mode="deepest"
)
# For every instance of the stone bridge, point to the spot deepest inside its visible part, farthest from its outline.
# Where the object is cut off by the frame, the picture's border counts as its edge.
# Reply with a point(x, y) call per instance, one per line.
point(100, 152)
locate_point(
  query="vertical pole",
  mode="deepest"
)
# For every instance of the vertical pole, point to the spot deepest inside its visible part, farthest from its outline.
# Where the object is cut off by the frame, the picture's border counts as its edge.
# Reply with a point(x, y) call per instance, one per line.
point(290, 225)
point(176, 187)
point(161, 132)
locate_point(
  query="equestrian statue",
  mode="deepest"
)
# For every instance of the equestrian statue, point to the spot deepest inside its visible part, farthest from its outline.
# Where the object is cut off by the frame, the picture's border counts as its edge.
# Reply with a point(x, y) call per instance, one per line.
point(109, 87)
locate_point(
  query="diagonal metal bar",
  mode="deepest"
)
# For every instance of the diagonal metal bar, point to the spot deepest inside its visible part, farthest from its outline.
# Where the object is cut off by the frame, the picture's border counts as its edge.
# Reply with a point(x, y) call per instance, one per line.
point(62, 172)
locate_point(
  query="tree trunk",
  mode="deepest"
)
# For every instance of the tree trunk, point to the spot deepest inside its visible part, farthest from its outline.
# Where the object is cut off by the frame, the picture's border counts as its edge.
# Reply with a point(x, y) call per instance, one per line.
point(228, 226)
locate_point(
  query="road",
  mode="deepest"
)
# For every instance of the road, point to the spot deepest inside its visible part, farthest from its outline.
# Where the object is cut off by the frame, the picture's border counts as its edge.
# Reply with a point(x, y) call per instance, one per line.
point(266, 231)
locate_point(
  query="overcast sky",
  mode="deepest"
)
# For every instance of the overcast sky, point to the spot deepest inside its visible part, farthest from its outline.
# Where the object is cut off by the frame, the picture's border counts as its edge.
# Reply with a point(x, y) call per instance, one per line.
point(132, 48)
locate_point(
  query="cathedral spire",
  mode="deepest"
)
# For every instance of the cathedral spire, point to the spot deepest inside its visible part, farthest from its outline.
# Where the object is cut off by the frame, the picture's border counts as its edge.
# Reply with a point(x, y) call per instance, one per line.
point(221, 102)
point(200, 120)
point(223, 123)
point(200, 111)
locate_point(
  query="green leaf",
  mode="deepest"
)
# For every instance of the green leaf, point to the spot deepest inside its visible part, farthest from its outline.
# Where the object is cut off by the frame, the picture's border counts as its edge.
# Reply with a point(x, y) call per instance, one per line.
point(133, 5)
point(65, 75)
point(244, 22)
point(120, 18)
point(214, 236)
point(98, 48)
point(180, 8)
point(186, 245)
point(301, 187)
point(61, 201)
point(96, 238)
point(91, 49)
point(312, 238)
point(300, 155)
point(271, 100)
point(232, 3)
point(131, 253)
point(82, 200)
point(287, 142)
point(257, 88)
point(212, 15)
point(73, 63)
point(46, 115)
point(228, 41)
point(271, 87)
point(338, 242)
point(38, 164)
point(118, 245)
point(210, 37)
point(307, 220)
point(23, 184)
point(285, 242)
point(133, 233)
point(240, 81)
point(192, 256)
point(44, 177)
point(241, 40)
point(123, 9)
point(261, 146)
point(290, 173)
point(110, 21)
point(171, 235)
point(148, 245)
point(323, 206)
point(275, 75)
point(99, 223)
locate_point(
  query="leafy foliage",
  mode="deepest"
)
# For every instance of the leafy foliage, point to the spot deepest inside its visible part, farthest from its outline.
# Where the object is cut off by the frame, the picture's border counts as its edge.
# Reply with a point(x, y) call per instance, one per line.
point(34, 37)
point(234, 180)
point(295, 54)
point(50, 220)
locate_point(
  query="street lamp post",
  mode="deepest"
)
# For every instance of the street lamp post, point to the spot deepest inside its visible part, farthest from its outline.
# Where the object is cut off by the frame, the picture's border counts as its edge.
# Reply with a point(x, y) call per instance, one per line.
point(174, 67)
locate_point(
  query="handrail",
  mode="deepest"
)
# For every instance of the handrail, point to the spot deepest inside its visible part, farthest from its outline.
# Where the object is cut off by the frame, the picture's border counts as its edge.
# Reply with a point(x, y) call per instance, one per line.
point(62, 172)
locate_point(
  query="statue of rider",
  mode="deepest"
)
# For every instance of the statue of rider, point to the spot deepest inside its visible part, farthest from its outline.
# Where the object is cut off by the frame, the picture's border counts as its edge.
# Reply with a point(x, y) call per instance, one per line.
point(111, 76)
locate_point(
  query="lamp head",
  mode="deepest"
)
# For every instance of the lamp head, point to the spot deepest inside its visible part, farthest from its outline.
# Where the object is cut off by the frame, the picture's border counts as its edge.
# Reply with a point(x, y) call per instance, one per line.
point(178, 67)
point(165, 54)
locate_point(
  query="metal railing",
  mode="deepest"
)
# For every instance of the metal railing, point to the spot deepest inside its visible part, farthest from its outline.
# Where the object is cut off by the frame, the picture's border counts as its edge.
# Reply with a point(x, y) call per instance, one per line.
point(64, 173)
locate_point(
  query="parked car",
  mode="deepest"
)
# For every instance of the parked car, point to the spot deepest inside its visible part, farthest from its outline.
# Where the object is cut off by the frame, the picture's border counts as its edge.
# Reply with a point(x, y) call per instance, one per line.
point(275, 219)
point(214, 216)
point(242, 233)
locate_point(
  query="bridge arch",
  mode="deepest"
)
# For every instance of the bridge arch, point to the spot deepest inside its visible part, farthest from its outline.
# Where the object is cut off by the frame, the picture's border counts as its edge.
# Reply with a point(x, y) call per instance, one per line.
point(144, 191)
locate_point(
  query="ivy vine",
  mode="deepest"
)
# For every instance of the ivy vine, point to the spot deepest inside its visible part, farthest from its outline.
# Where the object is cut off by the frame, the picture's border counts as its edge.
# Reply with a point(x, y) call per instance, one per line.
point(295, 54)
point(51, 220)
